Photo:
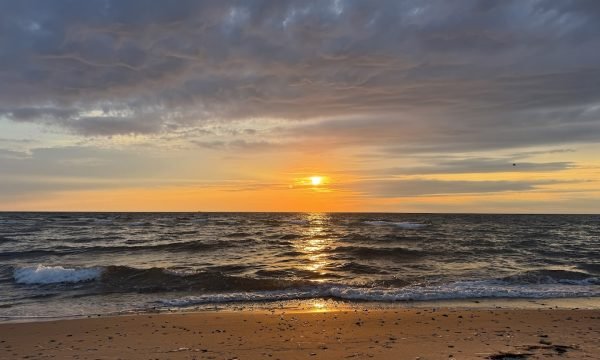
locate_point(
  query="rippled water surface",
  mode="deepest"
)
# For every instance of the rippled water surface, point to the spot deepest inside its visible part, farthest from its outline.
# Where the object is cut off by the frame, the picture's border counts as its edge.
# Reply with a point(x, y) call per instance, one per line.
point(76, 263)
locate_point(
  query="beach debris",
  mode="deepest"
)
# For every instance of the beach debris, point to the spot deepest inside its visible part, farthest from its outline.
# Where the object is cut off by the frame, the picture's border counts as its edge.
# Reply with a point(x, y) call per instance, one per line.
point(509, 356)
point(180, 349)
point(559, 349)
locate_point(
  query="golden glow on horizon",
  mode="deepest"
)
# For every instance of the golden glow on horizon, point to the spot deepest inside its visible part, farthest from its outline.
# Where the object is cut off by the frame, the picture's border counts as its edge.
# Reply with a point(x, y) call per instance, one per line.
point(318, 183)
point(300, 198)
point(303, 184)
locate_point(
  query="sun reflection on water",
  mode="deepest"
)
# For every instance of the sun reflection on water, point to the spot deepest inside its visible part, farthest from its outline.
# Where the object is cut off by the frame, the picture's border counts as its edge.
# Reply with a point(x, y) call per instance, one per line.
point(319, 306)
point(315, 241)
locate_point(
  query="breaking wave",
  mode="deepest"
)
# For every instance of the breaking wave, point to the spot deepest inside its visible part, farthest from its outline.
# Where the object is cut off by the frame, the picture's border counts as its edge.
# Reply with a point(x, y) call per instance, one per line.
point(216, 287)
point(128, 279)
point(552, 276)
point(461, 290)
point(55, 274)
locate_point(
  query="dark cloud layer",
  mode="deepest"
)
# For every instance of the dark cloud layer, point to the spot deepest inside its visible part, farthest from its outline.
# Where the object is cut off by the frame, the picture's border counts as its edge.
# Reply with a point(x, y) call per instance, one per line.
point(423, 75)
point(423, 187)
point(477, 165)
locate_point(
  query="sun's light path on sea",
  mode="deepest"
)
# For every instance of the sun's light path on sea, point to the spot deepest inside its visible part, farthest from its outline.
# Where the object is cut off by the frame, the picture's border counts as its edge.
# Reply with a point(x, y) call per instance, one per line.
point(314, 243)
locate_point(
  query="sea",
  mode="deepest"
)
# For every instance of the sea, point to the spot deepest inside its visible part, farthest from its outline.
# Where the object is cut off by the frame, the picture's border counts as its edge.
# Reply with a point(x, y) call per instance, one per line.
point(78, 264)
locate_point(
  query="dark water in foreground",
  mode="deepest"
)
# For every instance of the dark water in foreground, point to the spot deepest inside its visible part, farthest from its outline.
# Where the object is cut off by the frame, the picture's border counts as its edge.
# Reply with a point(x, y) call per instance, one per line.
point(58, 264)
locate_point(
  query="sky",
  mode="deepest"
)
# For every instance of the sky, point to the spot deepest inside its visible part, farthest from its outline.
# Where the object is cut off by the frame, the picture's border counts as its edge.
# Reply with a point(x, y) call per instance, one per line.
point(379, 106)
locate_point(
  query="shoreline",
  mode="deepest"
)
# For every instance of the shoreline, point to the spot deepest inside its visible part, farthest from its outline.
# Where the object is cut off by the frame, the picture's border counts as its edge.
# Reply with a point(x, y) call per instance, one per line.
point(406, 333)
point(327, 304)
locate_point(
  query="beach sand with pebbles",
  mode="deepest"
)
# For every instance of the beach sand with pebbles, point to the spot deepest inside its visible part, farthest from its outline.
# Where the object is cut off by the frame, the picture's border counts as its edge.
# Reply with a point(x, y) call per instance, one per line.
point(393, 333)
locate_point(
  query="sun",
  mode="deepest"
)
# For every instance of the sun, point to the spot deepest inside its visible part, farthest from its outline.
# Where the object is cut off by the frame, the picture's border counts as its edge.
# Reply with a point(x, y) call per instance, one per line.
point(316, 180)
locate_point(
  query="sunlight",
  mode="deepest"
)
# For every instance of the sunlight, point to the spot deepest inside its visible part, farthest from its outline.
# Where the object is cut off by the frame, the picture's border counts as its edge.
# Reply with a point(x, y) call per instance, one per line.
point(317, 183)
point(316, 180)
point(315, 243)
point(319, 306)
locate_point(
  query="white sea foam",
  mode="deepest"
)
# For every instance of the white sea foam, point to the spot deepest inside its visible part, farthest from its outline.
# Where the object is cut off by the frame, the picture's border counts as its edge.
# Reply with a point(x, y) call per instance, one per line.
point(458, 290)
point(463, 290)
point(400, 224)
point(55, 274)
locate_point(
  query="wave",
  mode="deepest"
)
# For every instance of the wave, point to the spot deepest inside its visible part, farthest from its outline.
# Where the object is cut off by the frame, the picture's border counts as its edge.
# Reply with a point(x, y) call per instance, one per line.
point(128, 279)
point(55, 274)
point(195, 246)
point(280, 242)
point(552, 276)
point(239, 234)
point(125, 279)
point(364, 252)
point(295, 273)
point(593, 268)
point(172, 246)
point(25, 254)
point(279, 295)
point(9, 221)
point(563, 284)
point(140, 223)
point(297, 221)
point(290, 236)
point(201, 220)
point(216, 287)
point(4, 239)
point(462, 290)
point(386, 238)
point(400, 224)
point(357, 268)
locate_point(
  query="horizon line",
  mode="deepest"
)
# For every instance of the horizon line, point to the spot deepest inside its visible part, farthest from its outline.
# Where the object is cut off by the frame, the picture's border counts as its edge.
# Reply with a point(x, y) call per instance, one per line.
point(286, 212)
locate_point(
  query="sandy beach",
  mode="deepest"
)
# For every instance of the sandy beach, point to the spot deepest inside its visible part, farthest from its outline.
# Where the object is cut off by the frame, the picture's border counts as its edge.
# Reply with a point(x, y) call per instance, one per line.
point(402, 333)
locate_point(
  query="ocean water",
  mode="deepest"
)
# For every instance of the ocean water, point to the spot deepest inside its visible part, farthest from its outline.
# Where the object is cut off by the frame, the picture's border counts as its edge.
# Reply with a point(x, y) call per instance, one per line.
point(69, 264)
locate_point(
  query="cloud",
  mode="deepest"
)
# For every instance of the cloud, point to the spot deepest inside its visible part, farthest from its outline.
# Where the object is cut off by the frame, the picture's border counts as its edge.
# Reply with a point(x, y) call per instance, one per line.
point(426, 131)
point(16, 141)
point(12, 155)
point(76, 162)
point(111, 125)
point(426, 75)
point(396, 188)
point(475, 166)
point(105, 123)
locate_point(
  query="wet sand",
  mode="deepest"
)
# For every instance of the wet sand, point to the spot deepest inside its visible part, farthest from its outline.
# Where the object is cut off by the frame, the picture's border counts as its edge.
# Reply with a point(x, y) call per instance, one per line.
point(402, 333)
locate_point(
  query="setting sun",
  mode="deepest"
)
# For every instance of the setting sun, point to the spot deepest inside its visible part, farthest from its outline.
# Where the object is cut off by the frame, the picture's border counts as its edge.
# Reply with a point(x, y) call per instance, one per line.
point(316, 180)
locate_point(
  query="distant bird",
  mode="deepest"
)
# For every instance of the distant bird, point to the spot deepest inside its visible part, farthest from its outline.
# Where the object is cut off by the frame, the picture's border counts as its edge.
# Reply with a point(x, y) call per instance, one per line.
point(514, 164)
